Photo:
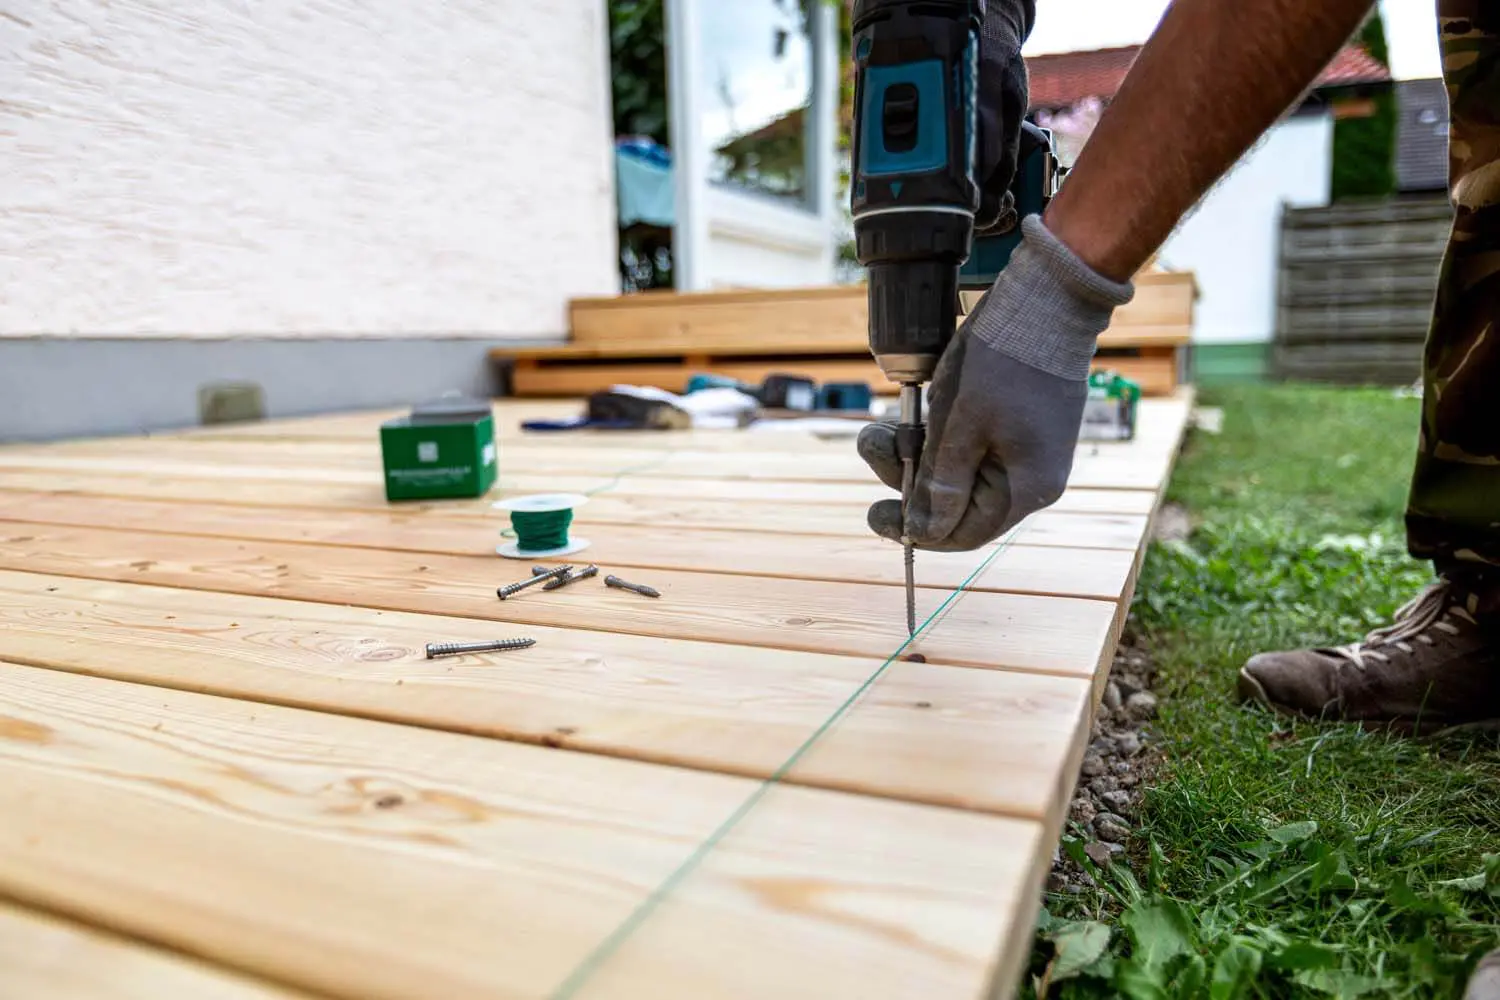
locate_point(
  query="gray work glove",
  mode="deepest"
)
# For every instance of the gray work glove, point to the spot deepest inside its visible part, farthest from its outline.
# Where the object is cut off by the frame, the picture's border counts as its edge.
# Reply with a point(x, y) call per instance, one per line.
point(1005, 403)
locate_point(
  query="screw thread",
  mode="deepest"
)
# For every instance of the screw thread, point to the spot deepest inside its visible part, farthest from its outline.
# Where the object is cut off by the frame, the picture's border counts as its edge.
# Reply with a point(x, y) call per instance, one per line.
point(516, 588)
point(496, 645)
point(563, 581)
point(636, 588)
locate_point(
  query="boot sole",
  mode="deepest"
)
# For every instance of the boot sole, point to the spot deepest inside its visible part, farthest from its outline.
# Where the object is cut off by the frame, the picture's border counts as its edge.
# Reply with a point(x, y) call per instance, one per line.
point(1252, 690)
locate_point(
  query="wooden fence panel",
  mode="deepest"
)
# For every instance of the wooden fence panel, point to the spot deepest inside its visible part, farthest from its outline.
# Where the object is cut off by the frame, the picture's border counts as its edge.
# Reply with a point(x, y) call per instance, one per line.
point(1356, 289)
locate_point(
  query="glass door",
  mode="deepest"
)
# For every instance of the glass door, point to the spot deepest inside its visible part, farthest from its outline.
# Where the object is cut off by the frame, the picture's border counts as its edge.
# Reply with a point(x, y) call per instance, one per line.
point(753, 94)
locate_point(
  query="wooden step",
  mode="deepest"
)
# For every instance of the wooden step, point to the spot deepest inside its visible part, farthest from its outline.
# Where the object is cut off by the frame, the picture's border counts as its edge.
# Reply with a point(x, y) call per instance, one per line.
point(820, 320)
point(663, 338)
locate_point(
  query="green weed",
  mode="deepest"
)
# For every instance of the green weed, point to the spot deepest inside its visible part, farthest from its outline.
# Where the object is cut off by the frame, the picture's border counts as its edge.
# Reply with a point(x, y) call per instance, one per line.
point(1277, 858)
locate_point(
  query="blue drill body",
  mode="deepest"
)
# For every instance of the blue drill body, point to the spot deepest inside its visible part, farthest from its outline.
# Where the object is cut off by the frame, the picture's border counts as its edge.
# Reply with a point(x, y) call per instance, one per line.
point(914, 194)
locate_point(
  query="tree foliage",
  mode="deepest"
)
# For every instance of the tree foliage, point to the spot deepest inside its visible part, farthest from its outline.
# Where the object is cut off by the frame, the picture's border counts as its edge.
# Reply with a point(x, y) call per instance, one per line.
point(638, 67)
point(1364, 148)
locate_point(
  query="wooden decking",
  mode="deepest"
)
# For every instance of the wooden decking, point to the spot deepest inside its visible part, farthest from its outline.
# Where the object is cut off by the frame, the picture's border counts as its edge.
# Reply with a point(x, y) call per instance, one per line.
point(228, 771)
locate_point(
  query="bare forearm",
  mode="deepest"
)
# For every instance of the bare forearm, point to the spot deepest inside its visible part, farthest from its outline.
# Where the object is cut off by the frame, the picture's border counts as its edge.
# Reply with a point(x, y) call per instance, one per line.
point(1211, 80)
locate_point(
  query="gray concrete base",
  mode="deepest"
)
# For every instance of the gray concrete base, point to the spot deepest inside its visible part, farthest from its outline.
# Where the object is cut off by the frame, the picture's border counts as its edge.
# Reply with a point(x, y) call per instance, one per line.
point(57, 387)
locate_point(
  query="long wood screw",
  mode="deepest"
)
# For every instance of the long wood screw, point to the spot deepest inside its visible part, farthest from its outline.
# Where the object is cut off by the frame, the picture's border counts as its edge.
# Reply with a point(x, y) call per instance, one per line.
point(563, 581)
point(637, 588)
point(435, 649)
point(515, 588)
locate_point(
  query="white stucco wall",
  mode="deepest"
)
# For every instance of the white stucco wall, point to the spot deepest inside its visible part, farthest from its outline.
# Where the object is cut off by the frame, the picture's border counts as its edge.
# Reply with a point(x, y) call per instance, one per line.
point(1232, 241)
point(327, 167)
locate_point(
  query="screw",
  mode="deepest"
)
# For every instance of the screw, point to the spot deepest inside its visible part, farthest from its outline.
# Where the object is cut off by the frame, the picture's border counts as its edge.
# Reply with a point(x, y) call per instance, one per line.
point(516, 588)
point(563, 581)
point(539, 570)
point(455, 648)
point(638, 588)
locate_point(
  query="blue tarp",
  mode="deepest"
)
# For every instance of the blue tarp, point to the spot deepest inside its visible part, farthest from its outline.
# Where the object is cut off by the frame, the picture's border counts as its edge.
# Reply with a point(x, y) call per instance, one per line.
point(644, 186)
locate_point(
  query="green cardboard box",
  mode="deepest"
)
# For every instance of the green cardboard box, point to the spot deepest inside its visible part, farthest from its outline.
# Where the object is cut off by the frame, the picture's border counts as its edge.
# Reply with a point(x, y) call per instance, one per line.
point(1110, 411)
point(444, 448)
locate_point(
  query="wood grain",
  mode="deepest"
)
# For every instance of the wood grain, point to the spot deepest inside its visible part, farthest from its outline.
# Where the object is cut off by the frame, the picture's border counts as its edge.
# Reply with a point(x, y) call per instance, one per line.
point(1022, 568)
point(219, 735)
point(1050, 527)
point(815, 320)
point(405, 863)
point(1106, 465)
point(46, 958)
point(998, 741)
point(1064, 636)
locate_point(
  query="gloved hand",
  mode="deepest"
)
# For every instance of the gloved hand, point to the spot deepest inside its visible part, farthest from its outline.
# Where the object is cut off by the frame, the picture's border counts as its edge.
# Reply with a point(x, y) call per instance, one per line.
point(1005, 403)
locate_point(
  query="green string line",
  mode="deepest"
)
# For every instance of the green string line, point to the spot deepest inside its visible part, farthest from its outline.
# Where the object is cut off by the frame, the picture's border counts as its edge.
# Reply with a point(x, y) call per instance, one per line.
point(592, 962)
point(541, 531)
point(643, 467)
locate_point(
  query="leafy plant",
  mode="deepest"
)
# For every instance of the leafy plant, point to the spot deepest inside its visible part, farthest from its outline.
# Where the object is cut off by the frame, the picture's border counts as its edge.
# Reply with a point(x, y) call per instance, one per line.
point(1279, 858)
point(1364, 148)
point(638, 68)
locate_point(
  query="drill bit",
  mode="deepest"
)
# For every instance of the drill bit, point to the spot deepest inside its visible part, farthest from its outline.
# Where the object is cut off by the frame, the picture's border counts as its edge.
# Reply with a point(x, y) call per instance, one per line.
point(911, 417)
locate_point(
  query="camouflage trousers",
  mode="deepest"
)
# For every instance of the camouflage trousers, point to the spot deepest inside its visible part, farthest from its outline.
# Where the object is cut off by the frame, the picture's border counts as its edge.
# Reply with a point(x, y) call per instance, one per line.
point(1453, 513)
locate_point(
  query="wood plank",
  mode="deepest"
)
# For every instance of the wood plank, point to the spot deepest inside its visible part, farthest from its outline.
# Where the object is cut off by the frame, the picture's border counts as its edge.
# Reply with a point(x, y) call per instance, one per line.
point(751, 322)
point(997, 741)
point(1063, 636)
point(619, 505)
point(1023, 568)
point(1055, 528)
point(406, 863)
point(1170, 334)
point(845, 476)
point(577, 379)
point(1157, 374)
point(46, 958)
point(818, 320)
point(600, 457)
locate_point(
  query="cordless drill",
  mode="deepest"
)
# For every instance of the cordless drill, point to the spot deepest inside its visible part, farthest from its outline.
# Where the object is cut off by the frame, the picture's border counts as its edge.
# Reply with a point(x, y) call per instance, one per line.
point(915, 195)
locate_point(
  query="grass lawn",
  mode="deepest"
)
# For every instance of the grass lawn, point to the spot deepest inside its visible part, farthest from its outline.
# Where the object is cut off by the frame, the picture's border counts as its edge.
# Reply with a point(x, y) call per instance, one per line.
point(1274, 859)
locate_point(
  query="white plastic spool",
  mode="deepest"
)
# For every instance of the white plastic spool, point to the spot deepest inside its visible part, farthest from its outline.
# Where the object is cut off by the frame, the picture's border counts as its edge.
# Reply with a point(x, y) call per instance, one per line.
point(541, 503)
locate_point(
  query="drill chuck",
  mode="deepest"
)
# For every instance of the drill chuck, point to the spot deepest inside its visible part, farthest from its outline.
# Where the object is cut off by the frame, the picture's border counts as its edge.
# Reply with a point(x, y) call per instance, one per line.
point(913, 192)
point(913, 312)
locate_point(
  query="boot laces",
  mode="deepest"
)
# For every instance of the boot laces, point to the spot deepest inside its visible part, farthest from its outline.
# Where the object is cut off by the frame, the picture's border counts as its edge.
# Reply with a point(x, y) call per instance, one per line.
point(1415, 621)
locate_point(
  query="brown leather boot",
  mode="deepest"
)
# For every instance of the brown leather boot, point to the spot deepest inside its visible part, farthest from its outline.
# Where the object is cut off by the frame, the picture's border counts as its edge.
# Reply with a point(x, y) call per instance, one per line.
point(1485, 983)
point(1436, 666)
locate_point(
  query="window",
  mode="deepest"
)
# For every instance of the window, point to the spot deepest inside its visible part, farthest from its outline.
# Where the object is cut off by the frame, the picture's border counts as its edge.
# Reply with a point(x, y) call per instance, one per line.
point(755, 90)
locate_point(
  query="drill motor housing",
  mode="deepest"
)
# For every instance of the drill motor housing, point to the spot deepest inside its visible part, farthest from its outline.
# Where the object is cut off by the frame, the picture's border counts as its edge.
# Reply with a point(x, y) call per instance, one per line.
point(914, 193)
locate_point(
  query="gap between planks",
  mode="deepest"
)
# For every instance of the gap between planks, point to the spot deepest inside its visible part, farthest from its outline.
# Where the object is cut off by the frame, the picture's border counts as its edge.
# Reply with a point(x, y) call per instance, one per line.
point(46, 956)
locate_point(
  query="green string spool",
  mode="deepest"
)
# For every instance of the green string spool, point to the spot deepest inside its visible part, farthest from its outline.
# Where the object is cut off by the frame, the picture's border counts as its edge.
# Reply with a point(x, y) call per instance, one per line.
point(539, 524)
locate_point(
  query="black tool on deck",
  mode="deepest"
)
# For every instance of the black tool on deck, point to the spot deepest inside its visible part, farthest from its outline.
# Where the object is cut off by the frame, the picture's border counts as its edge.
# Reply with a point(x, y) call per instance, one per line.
point(914, 195)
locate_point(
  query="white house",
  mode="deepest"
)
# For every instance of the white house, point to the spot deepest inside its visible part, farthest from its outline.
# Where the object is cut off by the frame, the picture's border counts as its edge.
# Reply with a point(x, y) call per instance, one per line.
point(348, 204)
point(1232, 239)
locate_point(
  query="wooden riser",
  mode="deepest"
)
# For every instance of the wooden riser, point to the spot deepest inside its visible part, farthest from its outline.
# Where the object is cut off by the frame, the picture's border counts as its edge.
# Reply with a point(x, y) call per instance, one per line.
point(820, 320)
point(1155, 369)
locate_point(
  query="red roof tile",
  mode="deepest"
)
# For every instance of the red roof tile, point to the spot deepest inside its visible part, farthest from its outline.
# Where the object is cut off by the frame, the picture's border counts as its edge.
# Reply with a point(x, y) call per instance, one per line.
point(1065, 78)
